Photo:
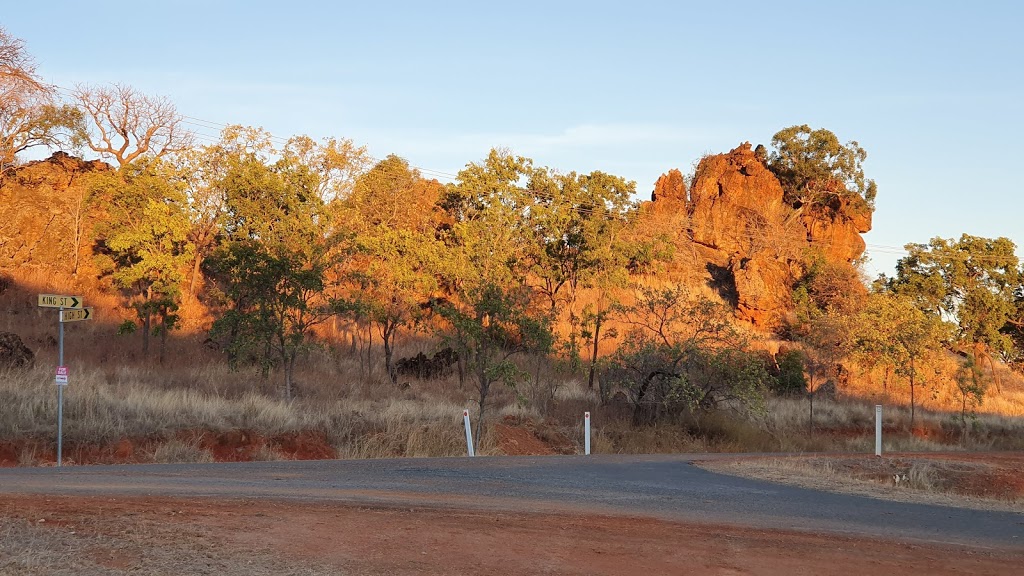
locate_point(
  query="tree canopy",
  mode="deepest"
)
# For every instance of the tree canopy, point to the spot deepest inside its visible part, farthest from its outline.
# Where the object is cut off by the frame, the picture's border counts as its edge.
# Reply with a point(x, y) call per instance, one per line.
point(815, 168)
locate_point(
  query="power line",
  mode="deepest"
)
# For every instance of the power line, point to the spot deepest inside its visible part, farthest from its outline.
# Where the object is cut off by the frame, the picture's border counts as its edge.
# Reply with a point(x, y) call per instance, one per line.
point(220, 126)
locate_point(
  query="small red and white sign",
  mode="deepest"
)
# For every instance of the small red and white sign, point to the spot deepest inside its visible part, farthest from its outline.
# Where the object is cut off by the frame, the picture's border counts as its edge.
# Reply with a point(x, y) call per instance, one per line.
point(62, 376)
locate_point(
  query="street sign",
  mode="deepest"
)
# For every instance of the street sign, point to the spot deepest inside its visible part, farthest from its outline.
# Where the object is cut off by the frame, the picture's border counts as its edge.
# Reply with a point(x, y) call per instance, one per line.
point(62, 375)
point(58, 301)
point(75, 315)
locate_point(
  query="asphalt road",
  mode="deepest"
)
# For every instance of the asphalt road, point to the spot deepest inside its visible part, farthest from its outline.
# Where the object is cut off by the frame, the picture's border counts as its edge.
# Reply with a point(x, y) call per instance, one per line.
point(666, 487)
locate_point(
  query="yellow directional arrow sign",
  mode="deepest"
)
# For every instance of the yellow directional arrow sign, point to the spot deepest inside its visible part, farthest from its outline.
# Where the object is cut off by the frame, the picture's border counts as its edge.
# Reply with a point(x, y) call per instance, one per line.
point(57, 301)
point(75, 315)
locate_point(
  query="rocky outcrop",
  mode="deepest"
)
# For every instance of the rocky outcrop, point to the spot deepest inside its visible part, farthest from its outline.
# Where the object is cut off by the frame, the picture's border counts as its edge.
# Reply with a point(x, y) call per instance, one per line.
point(670, 187)
point(736, 212)
point(836, 229)
point(43, 213)
point(735, 203)
point(763, 288)
point(14, 353)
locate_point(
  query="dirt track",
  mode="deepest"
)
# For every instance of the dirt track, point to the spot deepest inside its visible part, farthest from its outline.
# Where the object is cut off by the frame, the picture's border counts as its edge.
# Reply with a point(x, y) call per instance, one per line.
point(177, 536)
point(653, 515)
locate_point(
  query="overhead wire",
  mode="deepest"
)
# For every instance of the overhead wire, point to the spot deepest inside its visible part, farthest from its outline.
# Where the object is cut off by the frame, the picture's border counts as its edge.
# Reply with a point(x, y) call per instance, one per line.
point(748, 235)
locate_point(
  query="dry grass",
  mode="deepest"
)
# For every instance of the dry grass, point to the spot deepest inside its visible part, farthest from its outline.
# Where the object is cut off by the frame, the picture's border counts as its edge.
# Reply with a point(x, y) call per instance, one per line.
point(175, 451)
point(927, 481)
point(115, 393)
point(103, 407)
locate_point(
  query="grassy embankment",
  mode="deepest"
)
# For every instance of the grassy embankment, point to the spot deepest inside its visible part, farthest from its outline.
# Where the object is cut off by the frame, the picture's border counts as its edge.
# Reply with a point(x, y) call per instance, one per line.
point(204, 411)
point(122, 407)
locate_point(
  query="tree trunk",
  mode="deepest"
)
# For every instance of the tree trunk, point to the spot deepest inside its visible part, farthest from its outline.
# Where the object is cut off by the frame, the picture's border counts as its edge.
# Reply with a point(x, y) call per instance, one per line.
point(593, 352)
point(482, 362)
point(369, 351)
point(912, 383)
point(389, 331)
point(810, 418)
point(163, 339)
point(963, 417)
point(289, 371)
point(196, 264)
point(480, 416)
point(146, 323)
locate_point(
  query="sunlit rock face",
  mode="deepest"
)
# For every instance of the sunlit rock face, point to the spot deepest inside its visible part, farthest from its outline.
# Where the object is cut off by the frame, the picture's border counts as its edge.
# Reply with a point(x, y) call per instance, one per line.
point(755, 245)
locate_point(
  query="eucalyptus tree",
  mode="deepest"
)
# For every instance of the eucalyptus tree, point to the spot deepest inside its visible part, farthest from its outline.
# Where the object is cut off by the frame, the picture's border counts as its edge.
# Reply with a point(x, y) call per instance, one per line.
point(142, 240)
point(973, 282)
point(487, 253)
point(815, 168)
point(391, 211)
point(575, 221)
point(30, 112)
point(277, 249)
point(125, 124)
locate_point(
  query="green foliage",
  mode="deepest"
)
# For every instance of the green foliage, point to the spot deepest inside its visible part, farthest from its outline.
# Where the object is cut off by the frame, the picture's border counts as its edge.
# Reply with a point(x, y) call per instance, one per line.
point(972, 385)
point(143, 241)
point(816, 169)
point(974, 282)
point(490, 325)
point(127, 327)
point(393, 272)
point(683, 356)
point(576, 220)
point(663, 380)
point(487, 241)
point(272, 265)
point(791, 380)
point(893, 330)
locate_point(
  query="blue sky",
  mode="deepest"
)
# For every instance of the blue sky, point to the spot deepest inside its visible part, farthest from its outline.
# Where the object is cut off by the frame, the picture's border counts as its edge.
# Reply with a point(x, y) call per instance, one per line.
point(932, 90)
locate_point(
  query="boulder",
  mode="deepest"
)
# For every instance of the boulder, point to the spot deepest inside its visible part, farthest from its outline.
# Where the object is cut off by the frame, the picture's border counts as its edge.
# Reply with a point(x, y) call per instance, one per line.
point(14, 353)
point(735, 204)
point(670, 187)
point(43, 212)
point(763, 289)
point(836, 228)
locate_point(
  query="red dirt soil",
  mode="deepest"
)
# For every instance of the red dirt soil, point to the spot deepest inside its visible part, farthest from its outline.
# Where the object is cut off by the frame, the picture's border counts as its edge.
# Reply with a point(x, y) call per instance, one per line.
point(515, 437)
point(337, 538)
point(226, 446)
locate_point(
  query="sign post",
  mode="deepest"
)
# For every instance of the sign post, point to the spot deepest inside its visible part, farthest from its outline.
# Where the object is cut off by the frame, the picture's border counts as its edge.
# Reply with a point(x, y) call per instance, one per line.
point(60, 392)
point(70, 309)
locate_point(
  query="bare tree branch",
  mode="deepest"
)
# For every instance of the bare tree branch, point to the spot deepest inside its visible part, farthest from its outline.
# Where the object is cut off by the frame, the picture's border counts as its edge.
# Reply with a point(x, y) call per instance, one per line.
point(127, 124)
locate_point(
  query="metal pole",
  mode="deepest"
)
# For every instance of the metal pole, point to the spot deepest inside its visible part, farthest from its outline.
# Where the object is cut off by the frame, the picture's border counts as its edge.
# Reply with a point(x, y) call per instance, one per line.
point(586, 433)
point(878, 430)
point(60, 389)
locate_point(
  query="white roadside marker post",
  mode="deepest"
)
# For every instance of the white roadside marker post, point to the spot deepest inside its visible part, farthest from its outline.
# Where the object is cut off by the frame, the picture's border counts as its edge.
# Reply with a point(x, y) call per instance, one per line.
point(586, 433)
point(469, 434)
point(878, 430)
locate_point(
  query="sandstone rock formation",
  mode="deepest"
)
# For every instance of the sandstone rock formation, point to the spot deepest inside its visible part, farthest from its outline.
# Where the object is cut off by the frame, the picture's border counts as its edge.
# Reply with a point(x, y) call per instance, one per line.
point(754, 244)
point(836, 229)
point(43, 213)
point(670, 187)
point(735, 204)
